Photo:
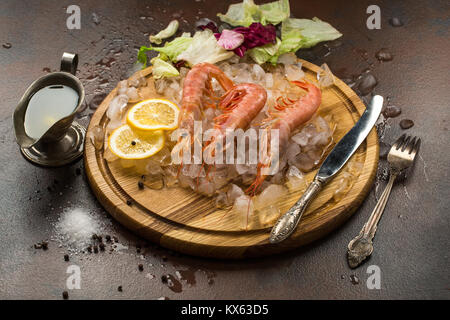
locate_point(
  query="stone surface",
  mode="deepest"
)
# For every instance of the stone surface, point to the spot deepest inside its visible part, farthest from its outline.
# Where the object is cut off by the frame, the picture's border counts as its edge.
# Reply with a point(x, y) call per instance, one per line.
point(411, 251)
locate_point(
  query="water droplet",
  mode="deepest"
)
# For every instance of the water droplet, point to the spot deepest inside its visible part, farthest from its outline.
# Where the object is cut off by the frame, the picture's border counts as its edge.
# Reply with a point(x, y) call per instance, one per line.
point(173, 284)
point(334, 43)
point(187, 275)
point(368, 82)
point(362, 53)
point(406, 124)
point(46, 69)
point(392, 111)
point(91, 77)
point(107, 62)
point(384, 55)
point(7, 45)
point(177, 14)
point(96, 101)
point(95, 18)
point(395, 22)
point(354, 279)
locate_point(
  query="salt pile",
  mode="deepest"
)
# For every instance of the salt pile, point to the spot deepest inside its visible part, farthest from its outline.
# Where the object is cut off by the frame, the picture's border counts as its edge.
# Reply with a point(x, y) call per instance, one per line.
point(75, 228)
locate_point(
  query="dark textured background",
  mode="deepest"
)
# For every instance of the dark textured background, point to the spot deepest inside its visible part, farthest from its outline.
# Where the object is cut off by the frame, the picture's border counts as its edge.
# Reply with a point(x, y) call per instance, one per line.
point(412, 242)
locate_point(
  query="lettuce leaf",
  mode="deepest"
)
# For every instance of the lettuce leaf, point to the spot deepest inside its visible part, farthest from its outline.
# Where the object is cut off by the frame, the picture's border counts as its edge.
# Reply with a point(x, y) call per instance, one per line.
point(247, 12)
point(170, 51)
point(173, 48)
point(275, 12)
point(162, 69)
point(305, 33)
point(241, 14)
point(166, 33)
point(204, 48)
point(262, 54)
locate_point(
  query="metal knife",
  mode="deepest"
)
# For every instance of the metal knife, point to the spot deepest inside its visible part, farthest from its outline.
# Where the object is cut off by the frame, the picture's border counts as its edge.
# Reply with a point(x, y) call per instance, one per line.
point(337, 158)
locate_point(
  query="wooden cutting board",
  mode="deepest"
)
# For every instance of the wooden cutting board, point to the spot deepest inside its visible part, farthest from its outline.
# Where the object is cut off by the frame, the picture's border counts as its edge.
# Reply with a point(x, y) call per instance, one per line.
point(184, 221)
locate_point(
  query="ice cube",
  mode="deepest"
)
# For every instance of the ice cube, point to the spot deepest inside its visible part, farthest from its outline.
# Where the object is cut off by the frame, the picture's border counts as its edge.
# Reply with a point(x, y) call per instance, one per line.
point(294, 177)
point(294, 73)
point(132, 94)
point(245, 208)
point(303, 162)
point(325, 77)
point(109, 156)
point(293, 149)
point(287, 59)
point(258, 73)
point(193, 171)
point(117, 107)
point(301, 138)
point(322, 124)
point(269, 80)
point(321, 139)
point(206, 187)
point(153, 167)
point(268, 215)
point(270, 196)
point(122, 87)
point(96, 135)
point(221, 200)
point(234, 192)
point(310, 130)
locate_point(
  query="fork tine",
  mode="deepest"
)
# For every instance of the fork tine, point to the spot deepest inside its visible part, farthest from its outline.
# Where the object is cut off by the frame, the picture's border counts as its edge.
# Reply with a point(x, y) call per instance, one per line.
point(416, 147)
point(399, 142)
point(409, 147)
point(406, 142)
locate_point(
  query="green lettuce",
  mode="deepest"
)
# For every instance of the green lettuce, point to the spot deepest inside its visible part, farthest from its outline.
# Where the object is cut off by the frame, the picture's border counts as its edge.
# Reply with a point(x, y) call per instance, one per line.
point(247, 12)
point(262, 54)
point(162, 69)
point(303, 33)
point(169, 52)
point(275, 12)
point(204, 48)
point(166, 33)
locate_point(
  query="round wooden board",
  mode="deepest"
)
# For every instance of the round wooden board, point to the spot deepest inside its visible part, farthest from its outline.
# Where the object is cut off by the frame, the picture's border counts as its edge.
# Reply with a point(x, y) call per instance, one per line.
point(184, 221)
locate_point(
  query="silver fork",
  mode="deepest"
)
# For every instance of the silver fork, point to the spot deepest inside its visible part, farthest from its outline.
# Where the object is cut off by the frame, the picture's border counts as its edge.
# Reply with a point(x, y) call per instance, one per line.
point(400, 157)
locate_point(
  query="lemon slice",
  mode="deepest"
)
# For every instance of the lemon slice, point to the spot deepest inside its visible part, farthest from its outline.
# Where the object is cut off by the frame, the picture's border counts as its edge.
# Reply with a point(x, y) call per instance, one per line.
point(127, 143)
point(154, 114)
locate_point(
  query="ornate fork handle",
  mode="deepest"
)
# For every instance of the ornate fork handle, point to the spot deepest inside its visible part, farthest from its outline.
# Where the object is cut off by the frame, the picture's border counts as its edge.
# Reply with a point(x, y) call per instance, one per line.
point(361, 246)
point(289, 221)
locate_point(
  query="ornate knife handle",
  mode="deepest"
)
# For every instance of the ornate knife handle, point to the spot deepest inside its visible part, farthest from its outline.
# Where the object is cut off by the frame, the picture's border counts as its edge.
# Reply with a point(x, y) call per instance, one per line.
point(289, 221)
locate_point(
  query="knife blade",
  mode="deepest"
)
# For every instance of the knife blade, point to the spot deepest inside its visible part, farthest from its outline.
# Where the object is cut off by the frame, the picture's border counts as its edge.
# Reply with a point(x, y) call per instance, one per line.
point(334, 162)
